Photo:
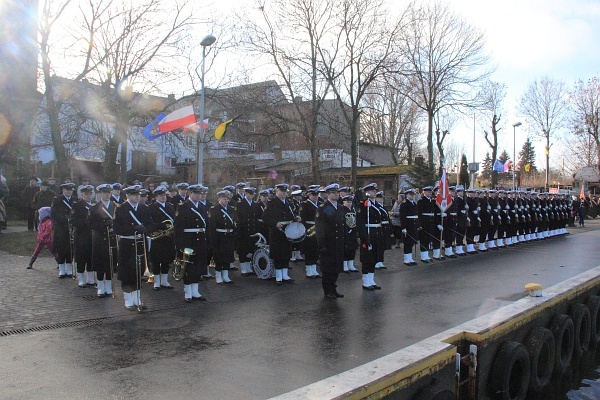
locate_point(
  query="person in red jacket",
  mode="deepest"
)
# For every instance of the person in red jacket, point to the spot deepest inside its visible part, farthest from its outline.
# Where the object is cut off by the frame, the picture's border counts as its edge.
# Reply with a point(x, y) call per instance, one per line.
point(44, 236)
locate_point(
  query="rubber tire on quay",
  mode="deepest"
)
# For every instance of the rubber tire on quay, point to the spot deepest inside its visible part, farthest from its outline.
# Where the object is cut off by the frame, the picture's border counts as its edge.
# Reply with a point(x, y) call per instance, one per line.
point(563, 332)
point(582, 324)
point(541, 348)
point(433, 393)
point(510, 372)
point(593, 304)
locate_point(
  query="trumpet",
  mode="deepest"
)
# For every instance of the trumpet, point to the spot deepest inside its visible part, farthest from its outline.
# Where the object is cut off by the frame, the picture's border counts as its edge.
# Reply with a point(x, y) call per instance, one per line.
point(311, 231)
point(179, 263)
point(165, 232)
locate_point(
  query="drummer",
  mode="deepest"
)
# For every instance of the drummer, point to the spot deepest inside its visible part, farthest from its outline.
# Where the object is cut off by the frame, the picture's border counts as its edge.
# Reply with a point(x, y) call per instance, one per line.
point(277, 216)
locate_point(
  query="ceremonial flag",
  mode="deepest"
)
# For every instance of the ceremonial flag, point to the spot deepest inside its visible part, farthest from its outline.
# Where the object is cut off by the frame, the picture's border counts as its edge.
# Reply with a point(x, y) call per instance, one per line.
point(443, 198)
point(178, 119)
point(152, 131)
point(527, 167)
point(498, 166)
point(506, 166)
point(195, 127)
point(222, 128)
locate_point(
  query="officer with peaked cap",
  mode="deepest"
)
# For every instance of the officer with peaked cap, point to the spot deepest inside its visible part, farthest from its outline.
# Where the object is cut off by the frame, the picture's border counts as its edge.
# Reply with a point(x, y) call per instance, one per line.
point(462, 219)
point(116, 193)
point(386, 227)
point(409, 221)
point(330, 227)
point(279, 214)
point(426, 209)
point(182, 194)
point(61, 213)
point(473, 220)
point(101, 222)
point(83, 237)
point(162, 251)
point(370, 233)
point(350, 233)
point(191, 232)
point(132, 222)
point(248, 213)
point(295, 200)
point(449, 222)
point(239, 193)
point(222, 227)
point(308, 210)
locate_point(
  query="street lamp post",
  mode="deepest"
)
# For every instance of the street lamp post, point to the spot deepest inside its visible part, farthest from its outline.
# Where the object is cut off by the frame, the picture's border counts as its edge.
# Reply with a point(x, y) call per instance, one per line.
point(515, 152)
point(207, 41)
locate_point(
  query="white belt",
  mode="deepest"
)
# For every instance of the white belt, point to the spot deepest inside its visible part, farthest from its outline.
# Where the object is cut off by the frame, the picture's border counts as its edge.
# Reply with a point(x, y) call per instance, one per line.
point(309, 222)
point(131, 237)
point(385, 222)
point(453, 214)
point(260, 220)
point(463, 211)
point(224, 230)
point(194, 230)
point(412, 216)
point(373, 225)
point(428, 214)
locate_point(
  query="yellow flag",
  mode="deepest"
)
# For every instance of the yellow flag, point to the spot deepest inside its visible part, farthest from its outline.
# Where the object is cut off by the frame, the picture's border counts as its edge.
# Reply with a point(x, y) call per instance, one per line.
point(527, 167)
point(222, 128)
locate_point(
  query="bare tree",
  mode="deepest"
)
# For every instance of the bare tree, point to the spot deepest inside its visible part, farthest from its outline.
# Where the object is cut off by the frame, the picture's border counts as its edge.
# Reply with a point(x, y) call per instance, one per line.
point(544, 105)
point(443, 58)
point(585, 120)
point(288, 35)
point(390, 119)
point(493, 95)
point(358, 52)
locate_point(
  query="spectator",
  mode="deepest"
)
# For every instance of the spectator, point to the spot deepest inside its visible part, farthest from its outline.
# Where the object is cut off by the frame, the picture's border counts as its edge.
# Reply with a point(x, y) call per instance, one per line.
point(53, 186)
point(4, 192)
point(44, 236)
point(2, 216)
point(44, 197)
point(26, 201)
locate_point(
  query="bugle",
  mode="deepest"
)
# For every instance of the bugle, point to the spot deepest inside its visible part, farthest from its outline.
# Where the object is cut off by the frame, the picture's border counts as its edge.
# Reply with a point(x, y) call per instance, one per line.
point(179, 263)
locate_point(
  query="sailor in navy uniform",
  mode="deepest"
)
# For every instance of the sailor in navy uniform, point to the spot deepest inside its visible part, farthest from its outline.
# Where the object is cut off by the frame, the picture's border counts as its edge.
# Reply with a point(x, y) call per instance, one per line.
point(248, 213)
point(61, 212)
point(450, 219)
point(462, 219)
point(83, 237)
point(308, 210)
point(116, 196)
point(222, 228)
point(181, 196)
point(239, 192)
point(351, 233)
point(204, 205)
point(494, 210)
point(427, 234)
point(409, 221)
point(330, 227)
point(473, 219)
point(277, 216)
point(295, 200)
point(386, 227)
point(368, 223)
point(191, 231)
point(100, 221)
point(162, 251)
point(484, 215)
point(132, 223)
point(263, 200)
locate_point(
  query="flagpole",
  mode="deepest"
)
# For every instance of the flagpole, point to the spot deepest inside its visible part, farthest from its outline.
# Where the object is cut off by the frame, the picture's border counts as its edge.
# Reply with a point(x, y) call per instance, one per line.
point(207, 41)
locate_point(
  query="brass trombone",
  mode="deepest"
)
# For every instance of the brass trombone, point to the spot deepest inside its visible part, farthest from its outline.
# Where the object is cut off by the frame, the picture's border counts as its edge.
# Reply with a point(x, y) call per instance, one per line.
point(112, 238)
point(140, 238)
point(179, 263)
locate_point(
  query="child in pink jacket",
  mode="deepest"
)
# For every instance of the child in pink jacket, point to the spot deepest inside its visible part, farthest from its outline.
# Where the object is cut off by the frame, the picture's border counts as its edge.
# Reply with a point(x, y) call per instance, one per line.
point(44, 236)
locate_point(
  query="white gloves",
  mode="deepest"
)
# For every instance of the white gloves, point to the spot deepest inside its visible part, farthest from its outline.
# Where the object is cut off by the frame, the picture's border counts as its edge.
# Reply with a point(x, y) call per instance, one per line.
point(404, 231)
point(441, 228)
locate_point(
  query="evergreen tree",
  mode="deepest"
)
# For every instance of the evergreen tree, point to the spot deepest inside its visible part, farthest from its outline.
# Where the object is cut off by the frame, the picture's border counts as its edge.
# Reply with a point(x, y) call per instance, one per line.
point(527, 157)
point(464, 172)
point(421, 174)
point(487, 167)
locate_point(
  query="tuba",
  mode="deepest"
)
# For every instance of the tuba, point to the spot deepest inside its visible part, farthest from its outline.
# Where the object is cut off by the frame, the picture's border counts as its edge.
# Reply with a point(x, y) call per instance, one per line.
point(165, 232)
point(179, 263)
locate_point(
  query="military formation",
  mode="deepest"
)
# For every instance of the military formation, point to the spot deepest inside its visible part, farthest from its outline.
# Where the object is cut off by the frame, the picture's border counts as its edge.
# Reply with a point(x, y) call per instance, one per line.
point(132, 234)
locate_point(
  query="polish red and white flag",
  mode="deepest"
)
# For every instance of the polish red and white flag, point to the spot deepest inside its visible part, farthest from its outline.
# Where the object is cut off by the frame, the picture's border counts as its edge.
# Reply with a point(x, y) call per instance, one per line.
point(178, 119)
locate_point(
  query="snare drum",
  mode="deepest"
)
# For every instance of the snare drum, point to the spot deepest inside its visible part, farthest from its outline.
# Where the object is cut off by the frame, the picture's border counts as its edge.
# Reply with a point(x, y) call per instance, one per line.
point(295, 232)
point(262, 264)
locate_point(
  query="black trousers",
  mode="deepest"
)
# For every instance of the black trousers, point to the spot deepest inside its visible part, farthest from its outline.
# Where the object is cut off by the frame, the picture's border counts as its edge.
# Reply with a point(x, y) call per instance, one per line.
point(328, 280)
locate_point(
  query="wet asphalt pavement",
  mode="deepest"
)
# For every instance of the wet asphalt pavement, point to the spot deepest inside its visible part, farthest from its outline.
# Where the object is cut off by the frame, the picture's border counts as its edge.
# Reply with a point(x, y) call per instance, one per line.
point(253, 339)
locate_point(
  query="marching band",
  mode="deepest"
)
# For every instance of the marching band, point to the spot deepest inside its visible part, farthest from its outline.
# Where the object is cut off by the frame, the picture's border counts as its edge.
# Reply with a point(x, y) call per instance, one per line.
point(130, 231)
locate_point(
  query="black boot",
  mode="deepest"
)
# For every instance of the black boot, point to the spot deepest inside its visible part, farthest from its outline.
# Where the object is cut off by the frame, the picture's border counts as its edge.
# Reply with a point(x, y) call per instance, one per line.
point(31, 262)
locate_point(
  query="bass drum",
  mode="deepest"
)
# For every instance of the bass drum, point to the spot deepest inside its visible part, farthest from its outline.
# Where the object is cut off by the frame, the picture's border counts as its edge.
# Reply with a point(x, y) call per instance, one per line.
point(262, 264)
point(295, 232)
